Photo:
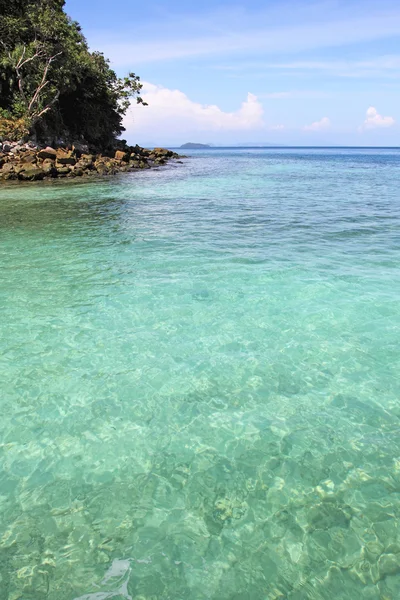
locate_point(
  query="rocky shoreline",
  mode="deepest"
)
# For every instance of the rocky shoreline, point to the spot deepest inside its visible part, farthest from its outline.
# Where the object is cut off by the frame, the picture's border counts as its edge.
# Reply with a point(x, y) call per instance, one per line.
point(29, 162)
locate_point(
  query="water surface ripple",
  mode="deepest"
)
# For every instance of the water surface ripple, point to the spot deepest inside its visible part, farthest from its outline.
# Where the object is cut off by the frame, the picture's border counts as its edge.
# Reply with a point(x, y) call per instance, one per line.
point(199, 372)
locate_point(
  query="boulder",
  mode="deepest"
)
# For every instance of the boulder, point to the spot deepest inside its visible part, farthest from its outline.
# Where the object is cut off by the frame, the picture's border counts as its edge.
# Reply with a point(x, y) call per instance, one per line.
point(8, 168)
point(88, 157)
point(49, 168)
point(121, 155)
point(162, 152)
point(47, 153)
point(28, 158)
point(76, 171)
point(65, 157)
point(102, 169)
point(62, 171)
point(31, 174)
point(388, 564)
point(7, 176)
point(18, 167)
point(84, 164)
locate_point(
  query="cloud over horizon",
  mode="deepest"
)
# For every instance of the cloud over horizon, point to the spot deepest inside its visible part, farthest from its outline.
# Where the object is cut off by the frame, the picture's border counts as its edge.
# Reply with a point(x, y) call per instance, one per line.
point(375, 120)
point(171, 112)
point(321, 125)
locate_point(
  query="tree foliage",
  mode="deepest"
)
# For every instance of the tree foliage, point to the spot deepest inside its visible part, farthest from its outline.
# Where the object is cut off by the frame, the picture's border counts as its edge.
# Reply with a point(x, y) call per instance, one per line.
point(51, 85)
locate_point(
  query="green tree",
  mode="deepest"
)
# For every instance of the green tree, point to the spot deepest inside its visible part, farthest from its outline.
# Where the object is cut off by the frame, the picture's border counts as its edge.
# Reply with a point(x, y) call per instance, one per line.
point(50, 82)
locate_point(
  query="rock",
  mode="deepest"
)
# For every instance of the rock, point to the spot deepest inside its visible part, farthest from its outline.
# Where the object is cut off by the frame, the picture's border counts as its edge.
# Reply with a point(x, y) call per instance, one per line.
point(388, 564)
point(102, 169)
point(47, 153)
point(163, 152)
point(31, 174)
point(65, 157)
point(120, 155)
point(62, 171)
point(18, 167)
point(49, 168)
point(8, 172)
point(76, 171)
point(8, 168)
point(7, 176)
point(28, 158)
point(87, 158)
point(85, 165)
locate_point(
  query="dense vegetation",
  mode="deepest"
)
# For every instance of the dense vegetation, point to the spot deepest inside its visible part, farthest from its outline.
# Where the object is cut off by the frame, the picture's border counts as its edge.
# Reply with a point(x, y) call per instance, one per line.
point(51, 86)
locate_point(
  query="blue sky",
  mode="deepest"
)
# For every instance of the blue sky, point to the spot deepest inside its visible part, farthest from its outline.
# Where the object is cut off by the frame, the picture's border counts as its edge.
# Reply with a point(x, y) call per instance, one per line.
point(309, 73)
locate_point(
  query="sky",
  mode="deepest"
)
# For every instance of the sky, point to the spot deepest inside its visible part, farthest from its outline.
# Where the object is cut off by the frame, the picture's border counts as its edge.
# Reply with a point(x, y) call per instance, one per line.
point(273, 71)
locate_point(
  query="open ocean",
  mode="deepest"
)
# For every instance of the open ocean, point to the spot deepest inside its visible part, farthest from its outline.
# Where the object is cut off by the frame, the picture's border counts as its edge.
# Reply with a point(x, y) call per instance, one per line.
point(200, 380)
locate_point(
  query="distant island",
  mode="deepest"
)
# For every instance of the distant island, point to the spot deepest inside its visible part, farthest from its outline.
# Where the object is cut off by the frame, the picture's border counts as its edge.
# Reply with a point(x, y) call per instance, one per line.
point(192, 146)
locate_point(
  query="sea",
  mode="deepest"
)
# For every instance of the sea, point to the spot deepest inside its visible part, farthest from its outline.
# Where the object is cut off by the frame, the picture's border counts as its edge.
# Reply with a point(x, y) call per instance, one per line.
point(200, 380)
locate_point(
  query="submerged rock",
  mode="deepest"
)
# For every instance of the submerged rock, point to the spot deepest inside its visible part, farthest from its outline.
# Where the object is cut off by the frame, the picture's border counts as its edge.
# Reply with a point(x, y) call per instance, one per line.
point(388, 564)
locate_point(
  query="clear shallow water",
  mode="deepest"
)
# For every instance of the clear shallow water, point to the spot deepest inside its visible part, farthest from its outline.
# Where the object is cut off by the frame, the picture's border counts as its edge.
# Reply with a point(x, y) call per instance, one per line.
point(200, 381)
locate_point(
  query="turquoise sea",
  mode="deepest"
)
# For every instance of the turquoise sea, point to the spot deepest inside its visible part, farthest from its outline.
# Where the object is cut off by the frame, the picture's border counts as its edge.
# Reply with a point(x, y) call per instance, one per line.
point(200, 381)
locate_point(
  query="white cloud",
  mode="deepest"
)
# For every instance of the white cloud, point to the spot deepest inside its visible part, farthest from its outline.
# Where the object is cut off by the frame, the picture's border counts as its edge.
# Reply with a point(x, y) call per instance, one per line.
point(374, 120)
point(321, 125)
point(171, 114)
